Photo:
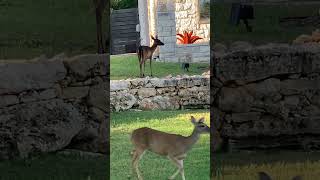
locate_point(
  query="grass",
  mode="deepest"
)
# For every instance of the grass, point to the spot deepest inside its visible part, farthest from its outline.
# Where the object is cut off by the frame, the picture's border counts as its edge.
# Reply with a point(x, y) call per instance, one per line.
point(266, 27)
point(55, 167)
point(280, 165)
point(34, 27)
point(127, 66)
point(153, 166)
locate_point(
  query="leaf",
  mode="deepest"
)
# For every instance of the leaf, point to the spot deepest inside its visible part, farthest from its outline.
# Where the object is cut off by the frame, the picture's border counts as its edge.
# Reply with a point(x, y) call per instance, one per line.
point(187, 37)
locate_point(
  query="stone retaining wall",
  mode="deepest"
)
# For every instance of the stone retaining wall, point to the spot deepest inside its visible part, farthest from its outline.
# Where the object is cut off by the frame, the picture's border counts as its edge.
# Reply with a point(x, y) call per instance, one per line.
point(268, 96)
point(50, 104)
point(154, 93)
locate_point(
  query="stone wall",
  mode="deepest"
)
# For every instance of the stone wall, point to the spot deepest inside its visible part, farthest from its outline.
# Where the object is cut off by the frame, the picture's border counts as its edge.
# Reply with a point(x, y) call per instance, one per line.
point(50, 104)
point(175, 17)
point(163, 94)
point(268, 96)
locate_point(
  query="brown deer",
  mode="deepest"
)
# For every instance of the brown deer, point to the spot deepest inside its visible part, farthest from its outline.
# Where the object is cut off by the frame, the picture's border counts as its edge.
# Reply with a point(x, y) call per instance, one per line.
point(265, 176)
point(145, 52)
point(173, 146)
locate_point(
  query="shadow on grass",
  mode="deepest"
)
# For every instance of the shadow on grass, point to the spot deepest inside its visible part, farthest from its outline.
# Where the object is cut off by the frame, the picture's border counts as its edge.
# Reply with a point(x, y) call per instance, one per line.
point(55, 167)
point(279, 164)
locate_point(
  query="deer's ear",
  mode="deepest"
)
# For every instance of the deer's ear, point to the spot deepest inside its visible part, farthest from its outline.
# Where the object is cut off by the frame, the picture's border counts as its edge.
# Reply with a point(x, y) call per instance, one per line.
point(201, 120)
point(152, 37)
point(193, 120)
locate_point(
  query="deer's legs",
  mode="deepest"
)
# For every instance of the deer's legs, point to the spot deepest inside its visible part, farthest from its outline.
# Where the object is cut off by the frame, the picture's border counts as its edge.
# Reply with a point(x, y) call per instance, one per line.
point(179, 164)
point(137, 154)
point(144, 67)
point(150, 66)
point(140, 69)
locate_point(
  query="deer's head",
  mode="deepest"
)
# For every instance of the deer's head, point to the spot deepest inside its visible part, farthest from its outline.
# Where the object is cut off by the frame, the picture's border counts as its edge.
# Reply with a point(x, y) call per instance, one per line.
point(199, 125)
point(157, 41)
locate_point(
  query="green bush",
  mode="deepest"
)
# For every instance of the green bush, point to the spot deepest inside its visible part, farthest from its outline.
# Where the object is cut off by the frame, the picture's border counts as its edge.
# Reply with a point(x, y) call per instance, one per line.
point(124, 4)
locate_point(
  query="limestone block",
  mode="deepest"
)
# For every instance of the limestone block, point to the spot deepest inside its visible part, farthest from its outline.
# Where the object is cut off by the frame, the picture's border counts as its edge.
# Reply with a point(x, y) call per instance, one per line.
point(75, 92)
point(22, 76)
point(8, 100)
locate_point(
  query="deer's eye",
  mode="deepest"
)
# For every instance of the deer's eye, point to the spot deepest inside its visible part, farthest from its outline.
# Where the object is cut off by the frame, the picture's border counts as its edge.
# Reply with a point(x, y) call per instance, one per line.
point(202, 126)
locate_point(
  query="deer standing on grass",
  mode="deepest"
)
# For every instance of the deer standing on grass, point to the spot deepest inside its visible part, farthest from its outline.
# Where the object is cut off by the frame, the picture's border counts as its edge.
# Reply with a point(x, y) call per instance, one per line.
point(145, 52)
point(173, 146)
point(265, 176)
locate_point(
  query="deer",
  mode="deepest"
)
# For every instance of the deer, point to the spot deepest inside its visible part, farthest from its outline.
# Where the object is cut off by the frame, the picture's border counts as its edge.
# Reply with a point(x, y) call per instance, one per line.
point(265, 176)
point(172, 146)
point(146, 52)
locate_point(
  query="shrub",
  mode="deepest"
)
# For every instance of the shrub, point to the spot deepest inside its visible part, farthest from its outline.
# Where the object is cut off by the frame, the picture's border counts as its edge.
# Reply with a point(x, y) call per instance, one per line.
point(187, 37)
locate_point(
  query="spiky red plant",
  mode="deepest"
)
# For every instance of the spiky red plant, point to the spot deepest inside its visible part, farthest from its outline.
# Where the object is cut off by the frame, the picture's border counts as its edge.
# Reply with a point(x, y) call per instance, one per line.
point(187, 37)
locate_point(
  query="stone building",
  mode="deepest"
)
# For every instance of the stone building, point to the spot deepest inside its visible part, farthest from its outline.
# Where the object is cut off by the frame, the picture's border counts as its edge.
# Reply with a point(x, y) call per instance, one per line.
point(166, 18)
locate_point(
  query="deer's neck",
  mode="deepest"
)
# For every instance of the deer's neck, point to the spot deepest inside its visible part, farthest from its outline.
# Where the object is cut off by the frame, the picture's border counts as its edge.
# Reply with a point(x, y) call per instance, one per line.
point(153, 48)
point(192, 139)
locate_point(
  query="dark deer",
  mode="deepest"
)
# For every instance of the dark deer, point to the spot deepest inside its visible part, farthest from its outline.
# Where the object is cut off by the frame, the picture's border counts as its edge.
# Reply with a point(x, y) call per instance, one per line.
point(145, 52)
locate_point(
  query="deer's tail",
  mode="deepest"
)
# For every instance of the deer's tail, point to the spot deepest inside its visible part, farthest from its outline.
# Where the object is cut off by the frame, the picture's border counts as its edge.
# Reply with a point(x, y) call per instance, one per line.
point(139, 53)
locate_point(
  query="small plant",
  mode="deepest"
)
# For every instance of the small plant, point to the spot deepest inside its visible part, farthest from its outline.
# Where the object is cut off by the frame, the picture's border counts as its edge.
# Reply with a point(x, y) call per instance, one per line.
point(188, 37)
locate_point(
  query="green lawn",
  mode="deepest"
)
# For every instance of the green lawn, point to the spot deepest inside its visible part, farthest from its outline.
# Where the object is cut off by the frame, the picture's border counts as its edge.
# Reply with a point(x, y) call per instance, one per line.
point(279, 164)
point(127, 66)
point(30, 28)
point(55, 167)
point(266, 27)
point(152, 166)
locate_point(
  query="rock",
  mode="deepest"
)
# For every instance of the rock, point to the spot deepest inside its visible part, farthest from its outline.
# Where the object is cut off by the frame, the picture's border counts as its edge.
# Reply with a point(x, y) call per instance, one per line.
point(267, 61)
point(82, 154)
point(235, 100)
point(8, 100)
point(159, 103)
point(292, 101)
point(302, 39)
point(245, 117)
point(30, 96)
point(240, 46)
point(136, 82)
point(268, 87)
point(167, 90)
point(75, 92)
point(122, 101)
point(98, 97)
point(219, 49)
point(18, 77)
point(48, 94)
point(59, 57)
point(97, 114)
point(146, 92)
point(88, 65)
point(290, 87)
point(38, 127)
point(117, 85)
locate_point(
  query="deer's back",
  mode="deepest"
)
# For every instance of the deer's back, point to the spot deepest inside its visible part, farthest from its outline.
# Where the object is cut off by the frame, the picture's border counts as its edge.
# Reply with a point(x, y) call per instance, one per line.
point(158, 142)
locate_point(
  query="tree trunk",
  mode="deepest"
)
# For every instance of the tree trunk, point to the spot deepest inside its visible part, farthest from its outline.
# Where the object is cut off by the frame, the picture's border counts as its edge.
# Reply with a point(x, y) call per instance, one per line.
point(100, 42)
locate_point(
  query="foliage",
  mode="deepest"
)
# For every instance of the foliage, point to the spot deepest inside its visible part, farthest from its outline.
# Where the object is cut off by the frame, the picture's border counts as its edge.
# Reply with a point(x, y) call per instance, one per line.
point(153, 166)
point(127, 66)
point(123, 4)
point(188, 37)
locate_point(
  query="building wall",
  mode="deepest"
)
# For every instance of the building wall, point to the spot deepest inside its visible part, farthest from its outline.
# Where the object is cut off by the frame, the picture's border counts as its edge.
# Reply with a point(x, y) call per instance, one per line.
point(174, 17)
